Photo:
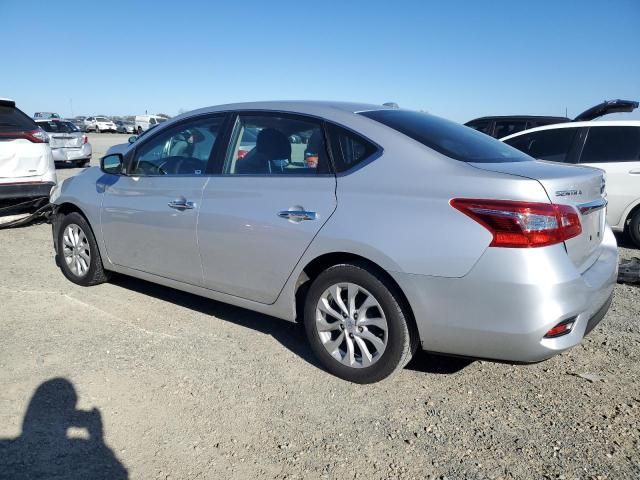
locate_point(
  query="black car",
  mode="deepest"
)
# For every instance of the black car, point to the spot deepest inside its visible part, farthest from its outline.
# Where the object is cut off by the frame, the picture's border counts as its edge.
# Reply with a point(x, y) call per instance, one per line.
point(501, 126)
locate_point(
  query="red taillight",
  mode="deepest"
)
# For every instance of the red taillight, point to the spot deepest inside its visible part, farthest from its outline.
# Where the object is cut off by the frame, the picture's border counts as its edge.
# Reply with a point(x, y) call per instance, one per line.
point(35, 136)
point(242, 154)
point(85, 139)
point(522, 224)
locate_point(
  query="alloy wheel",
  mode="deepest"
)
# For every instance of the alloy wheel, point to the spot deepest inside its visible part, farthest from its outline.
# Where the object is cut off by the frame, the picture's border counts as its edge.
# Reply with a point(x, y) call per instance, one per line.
point(351, 325)
point(76, 250)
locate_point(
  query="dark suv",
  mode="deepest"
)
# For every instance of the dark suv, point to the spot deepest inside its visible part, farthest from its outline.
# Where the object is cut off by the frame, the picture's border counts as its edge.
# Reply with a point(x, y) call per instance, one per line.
point(501, 126)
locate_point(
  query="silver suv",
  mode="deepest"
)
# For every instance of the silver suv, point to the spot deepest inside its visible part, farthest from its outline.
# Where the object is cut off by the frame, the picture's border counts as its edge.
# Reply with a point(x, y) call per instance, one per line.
point(383, 230)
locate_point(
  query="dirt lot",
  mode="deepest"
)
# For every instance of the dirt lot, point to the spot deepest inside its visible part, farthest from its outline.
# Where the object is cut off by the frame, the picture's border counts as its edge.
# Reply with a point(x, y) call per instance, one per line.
point(187, 388)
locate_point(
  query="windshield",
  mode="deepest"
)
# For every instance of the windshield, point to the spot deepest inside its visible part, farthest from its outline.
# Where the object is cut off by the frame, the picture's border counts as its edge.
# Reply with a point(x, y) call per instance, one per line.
point(101, 119)
point(446, 137)
point(161, 119)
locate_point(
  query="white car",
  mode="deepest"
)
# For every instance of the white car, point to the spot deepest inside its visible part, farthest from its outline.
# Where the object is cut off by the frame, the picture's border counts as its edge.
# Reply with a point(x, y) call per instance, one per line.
point(613, 146)
point(145, 122)
point(99, 124)
point(27, 169)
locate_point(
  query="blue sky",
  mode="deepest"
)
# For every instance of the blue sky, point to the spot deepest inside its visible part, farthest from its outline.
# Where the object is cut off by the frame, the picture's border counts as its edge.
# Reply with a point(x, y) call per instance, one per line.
point(456, 59)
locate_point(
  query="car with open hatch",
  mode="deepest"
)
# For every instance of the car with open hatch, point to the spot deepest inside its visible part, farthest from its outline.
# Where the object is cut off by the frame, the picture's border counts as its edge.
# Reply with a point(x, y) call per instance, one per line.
point(383, 230)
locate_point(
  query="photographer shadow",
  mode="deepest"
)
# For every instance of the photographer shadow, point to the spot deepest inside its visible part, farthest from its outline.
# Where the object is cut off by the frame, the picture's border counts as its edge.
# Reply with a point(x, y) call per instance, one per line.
point(44, 449)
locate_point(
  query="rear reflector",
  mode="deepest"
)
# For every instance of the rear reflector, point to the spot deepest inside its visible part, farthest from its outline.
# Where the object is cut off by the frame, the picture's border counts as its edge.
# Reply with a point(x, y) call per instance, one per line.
point(522, 224)
point(561, 329)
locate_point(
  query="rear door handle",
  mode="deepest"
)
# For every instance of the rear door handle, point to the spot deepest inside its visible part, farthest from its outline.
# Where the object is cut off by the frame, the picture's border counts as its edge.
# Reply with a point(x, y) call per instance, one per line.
point(181, 204)
point(297, 215)
point(635, 171)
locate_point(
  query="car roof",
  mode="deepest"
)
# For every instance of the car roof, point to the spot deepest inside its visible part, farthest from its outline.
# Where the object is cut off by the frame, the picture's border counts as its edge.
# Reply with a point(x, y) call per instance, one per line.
point(517, 117)
point(309, 107)
point(590, 123)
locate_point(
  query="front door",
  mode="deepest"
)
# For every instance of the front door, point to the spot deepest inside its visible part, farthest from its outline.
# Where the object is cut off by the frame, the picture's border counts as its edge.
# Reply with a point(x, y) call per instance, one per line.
point(257, 218)
point(149, 217)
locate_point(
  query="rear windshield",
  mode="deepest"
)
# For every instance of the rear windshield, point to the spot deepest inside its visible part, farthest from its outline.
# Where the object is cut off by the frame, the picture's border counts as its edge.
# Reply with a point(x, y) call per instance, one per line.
point(57, 127)
point(14, 120)
point(102, 119)
point(447, 137)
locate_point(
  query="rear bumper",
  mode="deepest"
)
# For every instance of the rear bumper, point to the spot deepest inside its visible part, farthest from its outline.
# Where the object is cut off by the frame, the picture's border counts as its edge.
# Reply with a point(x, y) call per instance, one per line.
point(25, 190)
point(72, 154)
point(504, 306)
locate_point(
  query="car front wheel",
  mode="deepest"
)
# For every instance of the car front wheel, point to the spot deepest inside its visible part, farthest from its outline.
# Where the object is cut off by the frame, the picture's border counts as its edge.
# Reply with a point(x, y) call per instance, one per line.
point(357, 324)
point(78, 255)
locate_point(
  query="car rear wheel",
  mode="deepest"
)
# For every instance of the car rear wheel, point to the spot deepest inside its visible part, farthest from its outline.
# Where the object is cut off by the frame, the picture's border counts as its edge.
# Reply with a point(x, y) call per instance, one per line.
point(634, 229)
point(78, 255)
point(357, 325)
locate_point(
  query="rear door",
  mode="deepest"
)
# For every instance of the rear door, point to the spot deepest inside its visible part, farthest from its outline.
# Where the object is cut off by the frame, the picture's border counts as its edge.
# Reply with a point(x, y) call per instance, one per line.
point(616, 150)
point(149, 216)
point(274, 193)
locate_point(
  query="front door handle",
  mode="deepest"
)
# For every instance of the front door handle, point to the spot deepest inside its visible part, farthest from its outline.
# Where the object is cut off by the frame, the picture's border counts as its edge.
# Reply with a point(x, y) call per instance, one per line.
point(297, 215)
point(181, 204)
point(635, 171)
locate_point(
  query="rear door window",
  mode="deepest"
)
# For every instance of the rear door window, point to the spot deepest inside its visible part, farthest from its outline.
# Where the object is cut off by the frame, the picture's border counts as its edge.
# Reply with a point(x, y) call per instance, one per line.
point(552, 145)
point(349, 148)
point(611, 144)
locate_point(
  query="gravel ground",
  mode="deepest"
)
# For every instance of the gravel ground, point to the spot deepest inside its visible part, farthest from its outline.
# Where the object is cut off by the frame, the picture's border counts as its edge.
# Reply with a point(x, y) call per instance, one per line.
point(170, 385)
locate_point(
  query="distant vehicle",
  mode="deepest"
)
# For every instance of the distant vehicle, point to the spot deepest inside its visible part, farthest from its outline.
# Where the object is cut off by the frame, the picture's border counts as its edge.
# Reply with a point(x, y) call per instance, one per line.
point(501, 126)
point(405, 231)
point(124, 127)
point(45, 115)
point(99, 124)
point(123, 147)
point(144, 122)
point(68, 144)
point(613, 146)
point(26, 163)
point(79, 123)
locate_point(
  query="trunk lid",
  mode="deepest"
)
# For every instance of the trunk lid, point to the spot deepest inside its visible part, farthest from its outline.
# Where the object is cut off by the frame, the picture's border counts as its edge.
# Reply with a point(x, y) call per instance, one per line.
point(605, 108)
point(65, 140)
point(581, 187)
point(21, 158)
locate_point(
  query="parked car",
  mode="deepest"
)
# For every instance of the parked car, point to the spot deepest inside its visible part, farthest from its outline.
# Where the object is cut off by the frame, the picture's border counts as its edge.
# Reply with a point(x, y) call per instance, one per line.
point(613, 146)
point(68, 144)
point(410, 230)
point(144, 122)
point(124, 127)
point(45, 115)
point(99, 124)
point(501, 126)
point(123, 147)
point(78, 123)
point(26, 164)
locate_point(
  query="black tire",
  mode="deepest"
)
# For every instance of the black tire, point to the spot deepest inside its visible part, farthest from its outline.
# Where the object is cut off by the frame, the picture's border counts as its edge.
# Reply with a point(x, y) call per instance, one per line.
point(96, 273)
point(402, 340)
point(634, 229)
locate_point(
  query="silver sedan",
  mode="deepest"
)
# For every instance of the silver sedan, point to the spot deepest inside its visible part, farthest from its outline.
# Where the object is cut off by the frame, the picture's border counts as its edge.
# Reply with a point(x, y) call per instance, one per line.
point(383, 230)
point(68, 144)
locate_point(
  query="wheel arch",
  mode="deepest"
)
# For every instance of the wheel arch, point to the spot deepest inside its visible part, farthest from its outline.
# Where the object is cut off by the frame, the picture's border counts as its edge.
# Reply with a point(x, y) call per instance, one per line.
point(314, 267)
point(66, 208)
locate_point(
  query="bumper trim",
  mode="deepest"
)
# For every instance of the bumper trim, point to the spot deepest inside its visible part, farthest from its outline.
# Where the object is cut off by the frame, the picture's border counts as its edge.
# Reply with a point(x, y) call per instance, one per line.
point(598, 316)
point(25, 190)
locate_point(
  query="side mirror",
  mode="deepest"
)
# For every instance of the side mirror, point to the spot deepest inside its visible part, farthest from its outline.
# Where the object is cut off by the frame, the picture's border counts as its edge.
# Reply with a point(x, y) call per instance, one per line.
point(133, 138)
point(113, 164)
